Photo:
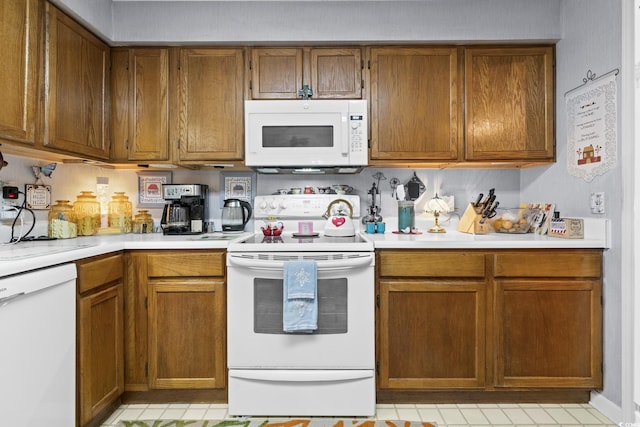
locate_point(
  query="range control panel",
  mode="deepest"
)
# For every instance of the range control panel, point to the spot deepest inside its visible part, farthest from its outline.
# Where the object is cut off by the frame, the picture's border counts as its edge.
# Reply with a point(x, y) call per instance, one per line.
point(301, 205)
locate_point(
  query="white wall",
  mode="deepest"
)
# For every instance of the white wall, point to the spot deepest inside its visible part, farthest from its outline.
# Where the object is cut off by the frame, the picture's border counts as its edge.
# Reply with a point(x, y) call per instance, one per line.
point(307, 21)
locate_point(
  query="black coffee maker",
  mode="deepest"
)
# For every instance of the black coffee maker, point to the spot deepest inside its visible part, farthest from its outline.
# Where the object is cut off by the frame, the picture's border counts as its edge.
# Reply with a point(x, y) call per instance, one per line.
point(186, 210)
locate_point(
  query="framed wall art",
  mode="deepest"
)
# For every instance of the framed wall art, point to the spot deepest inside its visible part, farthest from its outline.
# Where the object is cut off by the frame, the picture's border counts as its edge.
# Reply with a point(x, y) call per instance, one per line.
point(150, 188)
point(237, 185)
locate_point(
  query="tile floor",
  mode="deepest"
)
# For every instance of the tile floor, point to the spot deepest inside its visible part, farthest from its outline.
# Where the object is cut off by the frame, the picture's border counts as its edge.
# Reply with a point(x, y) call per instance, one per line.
point(481, 415)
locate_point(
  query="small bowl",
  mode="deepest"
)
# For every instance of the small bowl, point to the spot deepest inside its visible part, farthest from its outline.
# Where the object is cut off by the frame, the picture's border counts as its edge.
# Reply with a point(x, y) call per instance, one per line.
point(516, 220)
point(342, 189)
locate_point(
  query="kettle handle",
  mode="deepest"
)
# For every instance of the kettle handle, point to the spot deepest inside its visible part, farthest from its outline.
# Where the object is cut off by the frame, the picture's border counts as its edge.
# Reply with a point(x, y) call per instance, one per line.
point(247, 206)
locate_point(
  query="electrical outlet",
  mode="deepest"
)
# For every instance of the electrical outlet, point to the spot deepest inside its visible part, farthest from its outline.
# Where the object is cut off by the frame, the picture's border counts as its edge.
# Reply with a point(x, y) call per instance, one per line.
point(597, 202)
point(8, 210)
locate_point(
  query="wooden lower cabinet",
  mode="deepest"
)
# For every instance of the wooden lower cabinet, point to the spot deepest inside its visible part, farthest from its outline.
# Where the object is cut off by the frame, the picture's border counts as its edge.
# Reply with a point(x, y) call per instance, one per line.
point(176, 325)
point(100, 337)
point(548, 319)
point(518, 323)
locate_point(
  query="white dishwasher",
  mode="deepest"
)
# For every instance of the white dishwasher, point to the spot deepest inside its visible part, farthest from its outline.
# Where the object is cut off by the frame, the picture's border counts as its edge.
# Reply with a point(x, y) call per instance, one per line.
point(37, 347)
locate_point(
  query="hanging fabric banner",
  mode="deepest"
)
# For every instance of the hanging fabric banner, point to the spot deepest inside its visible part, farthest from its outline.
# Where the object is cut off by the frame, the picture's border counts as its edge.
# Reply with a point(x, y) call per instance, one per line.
point(592, 128)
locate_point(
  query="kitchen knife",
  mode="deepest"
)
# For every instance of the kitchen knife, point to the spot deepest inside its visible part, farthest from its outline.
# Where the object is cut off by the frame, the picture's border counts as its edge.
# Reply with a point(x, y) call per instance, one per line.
point(477, 202)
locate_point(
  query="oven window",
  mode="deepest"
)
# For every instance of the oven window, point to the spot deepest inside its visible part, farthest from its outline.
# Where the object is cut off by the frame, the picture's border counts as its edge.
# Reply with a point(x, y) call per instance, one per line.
point(297, 136)
point(332, 306)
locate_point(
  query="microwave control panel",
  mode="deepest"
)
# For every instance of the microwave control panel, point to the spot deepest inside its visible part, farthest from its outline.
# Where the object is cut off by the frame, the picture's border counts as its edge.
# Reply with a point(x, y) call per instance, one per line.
point(358, 143)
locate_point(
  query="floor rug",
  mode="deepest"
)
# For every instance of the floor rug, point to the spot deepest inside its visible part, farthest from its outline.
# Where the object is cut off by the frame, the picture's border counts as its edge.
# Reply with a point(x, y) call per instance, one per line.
point(275, 422)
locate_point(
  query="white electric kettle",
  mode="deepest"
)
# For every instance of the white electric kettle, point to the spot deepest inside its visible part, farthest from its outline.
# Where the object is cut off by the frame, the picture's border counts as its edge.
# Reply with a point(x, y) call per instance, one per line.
point(339, 224)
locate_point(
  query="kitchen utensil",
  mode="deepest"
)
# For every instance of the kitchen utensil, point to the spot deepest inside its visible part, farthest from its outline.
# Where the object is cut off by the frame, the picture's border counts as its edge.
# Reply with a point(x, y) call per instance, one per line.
point(339, 224)
point(235, 214)
point(175, 216)
point(414, 187)
point(406, 216)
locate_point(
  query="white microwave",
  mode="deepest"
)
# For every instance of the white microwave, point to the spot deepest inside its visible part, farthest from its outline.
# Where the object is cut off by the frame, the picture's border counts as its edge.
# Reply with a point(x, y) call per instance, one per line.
point(306, 136)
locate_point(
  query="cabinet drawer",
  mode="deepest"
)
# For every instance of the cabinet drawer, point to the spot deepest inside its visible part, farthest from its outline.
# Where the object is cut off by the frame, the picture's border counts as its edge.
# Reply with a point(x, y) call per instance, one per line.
point(574, 263)
point(182, 263)
point(405, 263)
point(95, 272)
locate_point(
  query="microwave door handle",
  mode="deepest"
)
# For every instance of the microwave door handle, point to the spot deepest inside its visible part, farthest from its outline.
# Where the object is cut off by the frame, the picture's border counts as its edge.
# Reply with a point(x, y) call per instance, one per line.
point(345, 136)
point(333, 265)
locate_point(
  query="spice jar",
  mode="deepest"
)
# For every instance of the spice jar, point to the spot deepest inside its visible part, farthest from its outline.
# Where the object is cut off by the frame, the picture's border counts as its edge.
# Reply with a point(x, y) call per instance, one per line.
point(87, 209)
point(120, 212)
point(143, 222)
point(62, 221)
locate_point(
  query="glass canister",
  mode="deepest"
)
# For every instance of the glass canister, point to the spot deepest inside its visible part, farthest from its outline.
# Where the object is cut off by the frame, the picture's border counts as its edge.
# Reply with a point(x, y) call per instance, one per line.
point(143, 222)
point(62, 221)
point(87, 209)
point(121, 212)
point(406, 216)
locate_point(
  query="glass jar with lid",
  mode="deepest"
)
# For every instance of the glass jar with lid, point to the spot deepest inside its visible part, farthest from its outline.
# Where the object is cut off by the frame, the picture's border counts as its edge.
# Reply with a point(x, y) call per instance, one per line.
point(143, 222)
point(87, 209)
point(121, 212)
point(62, 221)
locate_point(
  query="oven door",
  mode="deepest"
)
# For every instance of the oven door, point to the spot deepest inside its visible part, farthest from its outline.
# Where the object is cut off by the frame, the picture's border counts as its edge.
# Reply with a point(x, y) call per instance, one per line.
point(346, 305)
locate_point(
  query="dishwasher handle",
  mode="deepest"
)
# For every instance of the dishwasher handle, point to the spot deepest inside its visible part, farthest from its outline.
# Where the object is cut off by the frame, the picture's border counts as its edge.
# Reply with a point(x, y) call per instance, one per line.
point(328, 265)
point(6, 300)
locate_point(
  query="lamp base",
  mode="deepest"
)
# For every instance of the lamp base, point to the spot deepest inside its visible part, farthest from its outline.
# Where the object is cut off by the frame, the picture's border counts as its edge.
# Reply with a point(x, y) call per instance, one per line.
point(437, 229)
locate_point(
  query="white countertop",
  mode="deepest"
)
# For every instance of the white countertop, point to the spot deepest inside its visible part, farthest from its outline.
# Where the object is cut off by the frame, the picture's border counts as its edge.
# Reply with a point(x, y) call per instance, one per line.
point(597, 235)
point(25, 256)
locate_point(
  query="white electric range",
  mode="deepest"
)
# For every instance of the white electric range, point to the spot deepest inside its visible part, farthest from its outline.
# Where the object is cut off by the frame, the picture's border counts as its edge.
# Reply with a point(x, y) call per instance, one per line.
point(329, 371)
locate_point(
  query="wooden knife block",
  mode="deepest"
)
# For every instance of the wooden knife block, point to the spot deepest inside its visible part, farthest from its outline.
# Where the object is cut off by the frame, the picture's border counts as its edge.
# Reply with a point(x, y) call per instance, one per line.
point(470, 222)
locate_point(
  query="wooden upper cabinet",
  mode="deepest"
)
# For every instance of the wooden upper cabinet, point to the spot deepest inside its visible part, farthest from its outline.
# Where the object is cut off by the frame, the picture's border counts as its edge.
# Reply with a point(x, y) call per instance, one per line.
point(331, 73)
point(19, 49)
point(509, 102)
point(211, 105)
point(77, 82)
point(140, 104)
point(415, 104)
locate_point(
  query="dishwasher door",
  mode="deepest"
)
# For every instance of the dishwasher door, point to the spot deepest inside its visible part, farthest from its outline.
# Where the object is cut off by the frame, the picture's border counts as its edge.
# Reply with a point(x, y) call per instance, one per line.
point(38, 352)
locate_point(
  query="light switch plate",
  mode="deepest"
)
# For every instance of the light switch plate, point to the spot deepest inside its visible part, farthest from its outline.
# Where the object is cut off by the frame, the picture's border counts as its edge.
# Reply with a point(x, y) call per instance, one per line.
point(38, 196)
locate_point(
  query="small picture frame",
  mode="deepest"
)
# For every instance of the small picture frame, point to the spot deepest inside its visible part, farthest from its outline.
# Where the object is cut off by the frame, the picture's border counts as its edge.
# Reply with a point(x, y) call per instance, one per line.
point(237, 185)
point(150, 188)
point(38, 196)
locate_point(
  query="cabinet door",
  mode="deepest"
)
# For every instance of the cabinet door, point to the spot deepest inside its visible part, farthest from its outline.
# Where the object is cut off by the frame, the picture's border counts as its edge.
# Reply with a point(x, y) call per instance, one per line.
point(276, 73)
point(186, 333)
point(336, 73)
point(548, 319)
point(77, 89)
point(19, 49)
point(144, 99)
point(415, 104)
point(100, 351)
point(211, 104)
point(432, 334)
point(509, 103)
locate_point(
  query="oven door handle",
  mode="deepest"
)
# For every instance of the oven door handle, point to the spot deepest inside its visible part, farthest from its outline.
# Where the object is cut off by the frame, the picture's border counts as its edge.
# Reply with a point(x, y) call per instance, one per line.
point(333, 265)
point(301, 375)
